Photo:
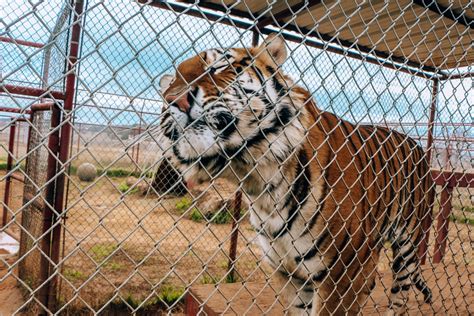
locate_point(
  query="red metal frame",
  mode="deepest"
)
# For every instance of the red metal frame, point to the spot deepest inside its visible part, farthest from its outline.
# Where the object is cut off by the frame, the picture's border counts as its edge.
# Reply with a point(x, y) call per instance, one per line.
point(5, 39)
point(32, 92)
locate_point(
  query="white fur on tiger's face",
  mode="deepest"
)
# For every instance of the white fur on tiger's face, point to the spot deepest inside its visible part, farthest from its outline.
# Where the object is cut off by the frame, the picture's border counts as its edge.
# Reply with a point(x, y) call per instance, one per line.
point(325, 194)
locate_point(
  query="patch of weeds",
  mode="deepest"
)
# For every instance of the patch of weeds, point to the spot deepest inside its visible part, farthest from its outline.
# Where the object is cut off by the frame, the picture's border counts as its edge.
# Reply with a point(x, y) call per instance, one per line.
point(461, 219)
point(115, 266)
point(170, 294)
point(133, 302)
point(222, 264)
point(231, 279)
point(207, 279)
point(196, 215)
point(99, 252)
point(123, 187)
point(183, 204)
point(221, 217)
point(467, 209)
point(73, 275)
point(3, 166)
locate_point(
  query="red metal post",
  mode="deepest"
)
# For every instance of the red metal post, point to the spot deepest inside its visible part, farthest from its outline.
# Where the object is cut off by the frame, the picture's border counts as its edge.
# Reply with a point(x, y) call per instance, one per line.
point(18, 133)
point(8, 180)
point(138, 144)
point(443, 223)
point(78, 135)
point(255, 36)
point(58, 166)
point(236, 209)
point(445, 211)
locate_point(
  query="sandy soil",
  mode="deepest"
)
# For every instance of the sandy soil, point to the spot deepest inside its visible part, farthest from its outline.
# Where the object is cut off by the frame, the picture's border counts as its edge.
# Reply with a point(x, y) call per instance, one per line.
point(10, 296)
point(131, 249)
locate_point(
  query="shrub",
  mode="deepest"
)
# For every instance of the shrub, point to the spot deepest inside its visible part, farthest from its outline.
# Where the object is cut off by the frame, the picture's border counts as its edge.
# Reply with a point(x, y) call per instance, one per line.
point(183, 204)
point(100, 252)
point(170, 294)
point(196, 215)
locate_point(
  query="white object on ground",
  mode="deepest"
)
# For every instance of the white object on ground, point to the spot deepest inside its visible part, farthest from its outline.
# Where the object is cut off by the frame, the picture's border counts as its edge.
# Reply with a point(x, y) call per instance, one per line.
point(8, 244)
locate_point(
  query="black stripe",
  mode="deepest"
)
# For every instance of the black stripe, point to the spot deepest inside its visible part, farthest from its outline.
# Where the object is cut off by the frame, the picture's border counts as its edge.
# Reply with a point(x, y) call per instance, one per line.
point(260, 76)
point(298, 196)
point(399, 263)
point(308, 289)
point(423, 288)
point(304, 306)
point(315, 249)
point(281, 91)
point(324, 195)
point(319, 277)
point(292, 276)
point(403, 277)
point(372, 285)
point(284, 115)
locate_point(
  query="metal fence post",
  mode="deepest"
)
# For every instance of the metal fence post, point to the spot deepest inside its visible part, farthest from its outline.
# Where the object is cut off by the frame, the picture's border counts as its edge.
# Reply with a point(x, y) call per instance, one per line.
point(236, 209)
point(428, 220)
point(60, 141)
point(8, 179)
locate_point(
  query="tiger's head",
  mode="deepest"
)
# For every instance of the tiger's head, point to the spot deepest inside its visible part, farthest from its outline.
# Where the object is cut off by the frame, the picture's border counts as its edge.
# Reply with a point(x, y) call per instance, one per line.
point(232, 108)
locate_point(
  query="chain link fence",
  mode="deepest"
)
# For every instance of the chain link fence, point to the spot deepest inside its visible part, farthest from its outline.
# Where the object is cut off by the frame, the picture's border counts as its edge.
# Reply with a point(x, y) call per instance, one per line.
point(271, 174)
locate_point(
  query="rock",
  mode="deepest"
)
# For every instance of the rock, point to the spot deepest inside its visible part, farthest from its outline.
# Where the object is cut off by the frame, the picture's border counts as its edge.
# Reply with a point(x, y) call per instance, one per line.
point(131, 181)
point(87, 172)
point(143, 187)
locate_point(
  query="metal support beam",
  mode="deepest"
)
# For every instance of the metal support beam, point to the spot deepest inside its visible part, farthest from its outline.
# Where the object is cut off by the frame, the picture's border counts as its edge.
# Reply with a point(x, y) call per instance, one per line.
point(255, 37)
point(361, 48)
point(32, 92)
point(298, 39)
point(286, 13)
point(447, 12)
point(457, 76)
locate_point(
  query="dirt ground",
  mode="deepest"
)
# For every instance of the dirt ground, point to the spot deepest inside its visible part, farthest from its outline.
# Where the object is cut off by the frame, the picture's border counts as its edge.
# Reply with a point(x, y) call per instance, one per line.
point(137, 250)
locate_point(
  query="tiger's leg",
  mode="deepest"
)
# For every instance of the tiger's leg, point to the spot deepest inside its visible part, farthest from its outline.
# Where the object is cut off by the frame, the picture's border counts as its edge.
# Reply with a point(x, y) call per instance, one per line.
point(350, 291)
point(297, 293)
point(406, 272)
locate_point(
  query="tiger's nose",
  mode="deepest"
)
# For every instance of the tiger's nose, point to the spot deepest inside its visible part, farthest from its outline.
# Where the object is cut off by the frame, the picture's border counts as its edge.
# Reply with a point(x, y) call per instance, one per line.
point(181, 101)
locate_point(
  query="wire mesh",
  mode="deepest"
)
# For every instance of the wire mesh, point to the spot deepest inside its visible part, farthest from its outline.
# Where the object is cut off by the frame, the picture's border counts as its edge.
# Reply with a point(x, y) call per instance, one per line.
point(226, 190)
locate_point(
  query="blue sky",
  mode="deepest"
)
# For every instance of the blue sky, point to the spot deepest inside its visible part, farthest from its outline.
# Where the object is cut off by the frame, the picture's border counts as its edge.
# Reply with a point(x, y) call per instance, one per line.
point(127, 47)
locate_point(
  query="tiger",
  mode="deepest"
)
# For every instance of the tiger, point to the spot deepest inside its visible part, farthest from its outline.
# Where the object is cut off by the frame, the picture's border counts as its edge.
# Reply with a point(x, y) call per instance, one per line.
point(325, 194)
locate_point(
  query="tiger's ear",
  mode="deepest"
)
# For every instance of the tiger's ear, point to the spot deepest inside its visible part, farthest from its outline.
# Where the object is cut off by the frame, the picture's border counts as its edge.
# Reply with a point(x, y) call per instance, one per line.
point(165, 82)
point(274, 45)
